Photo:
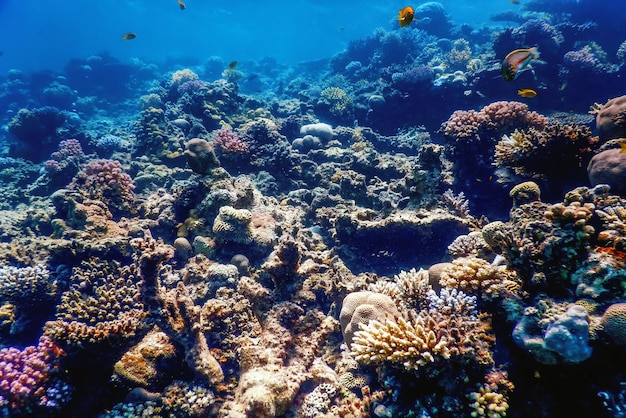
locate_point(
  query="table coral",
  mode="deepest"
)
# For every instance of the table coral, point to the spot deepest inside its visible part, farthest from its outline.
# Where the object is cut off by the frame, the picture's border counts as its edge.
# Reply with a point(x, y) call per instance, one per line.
point(101, 306)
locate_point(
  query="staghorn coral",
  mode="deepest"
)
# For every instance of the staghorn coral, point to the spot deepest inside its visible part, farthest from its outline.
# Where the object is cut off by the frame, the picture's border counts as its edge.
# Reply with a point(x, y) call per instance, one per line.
point(338, 101)
point(472, 244)
point(415, 340)
point(413, 287)
point(459, 55)
point(473, 275)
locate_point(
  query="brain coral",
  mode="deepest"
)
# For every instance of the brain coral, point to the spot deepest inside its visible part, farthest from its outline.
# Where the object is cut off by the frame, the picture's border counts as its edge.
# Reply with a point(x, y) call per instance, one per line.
point(360, 308)
point(233, 225)
point(608, 167)
point(611, 119)
point(614, 323)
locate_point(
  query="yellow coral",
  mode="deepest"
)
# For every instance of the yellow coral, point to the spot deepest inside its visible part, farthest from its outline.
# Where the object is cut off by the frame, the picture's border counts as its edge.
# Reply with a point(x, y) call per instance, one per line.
point(525, 192)
point(488, 403)
point(470, 274)
point(339, 100)
point(408, 343)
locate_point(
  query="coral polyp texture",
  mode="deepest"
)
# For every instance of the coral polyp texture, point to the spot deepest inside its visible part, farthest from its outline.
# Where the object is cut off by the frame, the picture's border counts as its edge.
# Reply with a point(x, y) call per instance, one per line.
point(429, 223)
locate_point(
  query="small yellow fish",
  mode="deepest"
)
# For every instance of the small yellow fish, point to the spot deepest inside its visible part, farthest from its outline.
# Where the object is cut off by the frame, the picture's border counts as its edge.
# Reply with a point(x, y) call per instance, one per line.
point(182, 5)
point(405, 16)
point(128, 36)
point(528, 93)
point(232, 66)
point(623, 147)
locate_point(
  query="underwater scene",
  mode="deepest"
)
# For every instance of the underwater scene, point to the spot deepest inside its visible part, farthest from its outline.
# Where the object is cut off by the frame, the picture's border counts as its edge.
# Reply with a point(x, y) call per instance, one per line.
point(313, 209)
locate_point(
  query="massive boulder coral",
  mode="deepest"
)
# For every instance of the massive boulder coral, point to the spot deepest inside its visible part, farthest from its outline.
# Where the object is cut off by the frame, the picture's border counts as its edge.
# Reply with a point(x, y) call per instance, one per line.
point(564, 338)
point(358, 308)
point(611, 118)
point(608, 167)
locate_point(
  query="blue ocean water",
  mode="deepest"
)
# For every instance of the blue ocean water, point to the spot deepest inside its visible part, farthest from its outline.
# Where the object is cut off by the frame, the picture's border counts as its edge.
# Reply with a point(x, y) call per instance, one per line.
point(304, 209)
point(45, 35)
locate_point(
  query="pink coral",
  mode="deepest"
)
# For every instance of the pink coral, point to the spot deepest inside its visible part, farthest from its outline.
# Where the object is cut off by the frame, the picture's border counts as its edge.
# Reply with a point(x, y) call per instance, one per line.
point(105, 180)
point(27, 376)
point(508, 116)
point(228, 141)
point(496, 117)
point(464, 124)
point(68, 148)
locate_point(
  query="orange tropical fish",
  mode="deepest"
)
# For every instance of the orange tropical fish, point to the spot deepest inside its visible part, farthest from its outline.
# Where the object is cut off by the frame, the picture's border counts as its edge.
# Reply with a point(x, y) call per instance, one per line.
point(128, 36)
point(517, 61)
point(528, 93)
point(181, 5)
point(406, 16)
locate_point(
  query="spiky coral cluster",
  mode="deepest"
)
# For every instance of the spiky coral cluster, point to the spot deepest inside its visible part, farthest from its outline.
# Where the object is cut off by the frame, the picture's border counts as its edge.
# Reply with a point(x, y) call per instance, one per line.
point(105, 180)
point(102, 305)
point(530, 236)
point(227, 141)
point(25, 286)
point(460, 54)
point(491, 400)
point(156, 138)
point(488, 403)
point(464, 124)
point(339, 101)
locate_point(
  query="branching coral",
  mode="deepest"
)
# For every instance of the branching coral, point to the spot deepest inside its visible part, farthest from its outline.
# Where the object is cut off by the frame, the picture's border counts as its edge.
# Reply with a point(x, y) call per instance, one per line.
point(101, 306)
point(415, 340)
point(531, 153)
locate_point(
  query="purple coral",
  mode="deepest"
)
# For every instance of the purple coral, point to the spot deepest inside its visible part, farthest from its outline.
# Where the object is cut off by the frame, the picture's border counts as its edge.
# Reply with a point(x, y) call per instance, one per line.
point(413, 78)
point(28, 377)
point(68, 148)
point(582, 60)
